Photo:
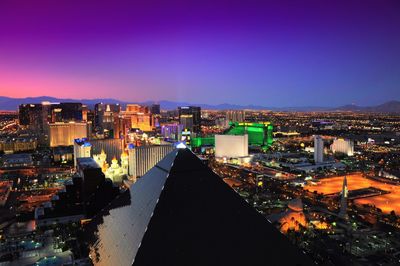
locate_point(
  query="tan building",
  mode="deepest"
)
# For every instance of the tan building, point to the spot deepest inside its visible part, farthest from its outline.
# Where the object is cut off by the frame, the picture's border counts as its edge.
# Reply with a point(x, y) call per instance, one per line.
point(138, 116)
point(64, 134)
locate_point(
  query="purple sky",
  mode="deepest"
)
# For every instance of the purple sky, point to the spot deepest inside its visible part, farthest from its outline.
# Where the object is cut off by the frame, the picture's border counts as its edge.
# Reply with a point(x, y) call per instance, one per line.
point(271, 53)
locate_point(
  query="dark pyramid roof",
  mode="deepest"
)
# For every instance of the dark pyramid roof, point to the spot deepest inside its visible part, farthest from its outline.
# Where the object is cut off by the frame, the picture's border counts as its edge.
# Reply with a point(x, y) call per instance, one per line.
point(181, 213)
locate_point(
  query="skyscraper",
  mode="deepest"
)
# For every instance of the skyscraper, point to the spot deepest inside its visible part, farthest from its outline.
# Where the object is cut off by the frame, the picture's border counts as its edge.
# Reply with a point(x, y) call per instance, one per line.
point(182, 213)
point(138, 117)
point(190, 118)
point(155, 109)
point(105, 115)
point(318, 149)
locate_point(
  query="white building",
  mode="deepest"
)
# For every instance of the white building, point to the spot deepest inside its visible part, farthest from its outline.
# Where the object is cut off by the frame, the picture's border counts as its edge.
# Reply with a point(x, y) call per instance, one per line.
point(231, 146)
point(345, 146)
point(318, 149)
point(142, 159)
point(64, 134)
point(82, 149)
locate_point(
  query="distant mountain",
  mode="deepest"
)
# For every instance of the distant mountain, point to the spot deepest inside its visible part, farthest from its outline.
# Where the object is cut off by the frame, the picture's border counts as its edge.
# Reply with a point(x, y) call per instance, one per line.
point(388, 107)
point(7, 103)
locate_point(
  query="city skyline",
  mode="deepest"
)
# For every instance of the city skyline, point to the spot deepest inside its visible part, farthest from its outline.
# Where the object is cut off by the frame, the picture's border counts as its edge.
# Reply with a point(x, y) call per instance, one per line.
point(259, 53)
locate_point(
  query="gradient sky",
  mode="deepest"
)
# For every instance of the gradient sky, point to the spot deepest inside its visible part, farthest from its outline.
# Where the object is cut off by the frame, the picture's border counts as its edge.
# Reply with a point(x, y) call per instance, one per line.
point(271, 53)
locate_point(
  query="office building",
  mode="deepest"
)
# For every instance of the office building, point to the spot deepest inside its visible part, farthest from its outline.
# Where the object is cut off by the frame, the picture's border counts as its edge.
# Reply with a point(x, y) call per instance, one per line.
point(182, 213)
point(155, 109)
point(190, 118)
point(105, 115)
point(318, 149)
point(345, 146)
point(231, 146)
point(82, 149)
point(64, 134)
point(143, 158)
point(34, 117)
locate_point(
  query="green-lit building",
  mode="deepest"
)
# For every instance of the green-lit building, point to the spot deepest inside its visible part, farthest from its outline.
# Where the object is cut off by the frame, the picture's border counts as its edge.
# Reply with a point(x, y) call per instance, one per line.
point(260, 134)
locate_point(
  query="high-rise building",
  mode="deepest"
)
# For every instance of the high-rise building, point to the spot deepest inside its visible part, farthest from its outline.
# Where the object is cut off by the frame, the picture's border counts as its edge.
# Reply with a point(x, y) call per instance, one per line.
point(187, 215)
point(82, 149)
point(64, 134)
point(231, 146)
point(143, 158)
point(37, 117)
point(85, 112)
point(24, 114)
point(34, 116)
point(345, 146)
point(318, 149)
point(105, 114)
point(190, 118)
point(235, 116)
point(136, 116)
point(155, 109)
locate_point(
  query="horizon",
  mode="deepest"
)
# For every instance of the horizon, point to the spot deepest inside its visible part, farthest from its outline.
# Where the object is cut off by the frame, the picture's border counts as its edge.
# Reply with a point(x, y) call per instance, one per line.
point(252, 53)
point(224, 106)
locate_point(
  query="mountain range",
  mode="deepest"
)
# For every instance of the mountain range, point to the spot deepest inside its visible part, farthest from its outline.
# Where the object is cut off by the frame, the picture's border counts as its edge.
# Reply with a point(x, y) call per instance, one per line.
point(7, 103)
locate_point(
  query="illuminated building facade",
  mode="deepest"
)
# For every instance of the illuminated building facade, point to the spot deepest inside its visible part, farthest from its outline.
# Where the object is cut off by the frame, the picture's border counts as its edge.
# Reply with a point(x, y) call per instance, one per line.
point(231, 146)
point(64, 134)
point(135, 116)
point(36, 117)
point(143, 158)
point(345, 146)
point(115, 171)
point(190, 118)
point(259, 134)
